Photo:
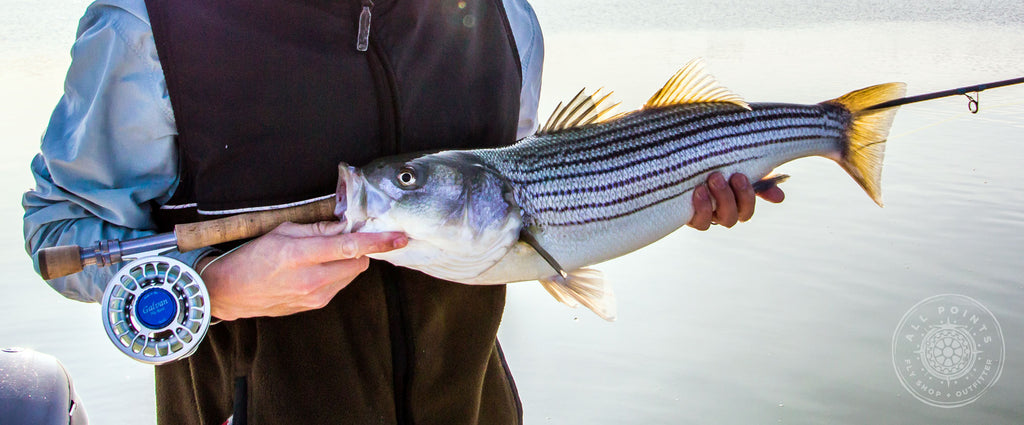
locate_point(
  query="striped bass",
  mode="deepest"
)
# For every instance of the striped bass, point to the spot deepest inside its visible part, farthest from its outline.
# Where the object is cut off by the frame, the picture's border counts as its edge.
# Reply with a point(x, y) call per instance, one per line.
point(591, 186)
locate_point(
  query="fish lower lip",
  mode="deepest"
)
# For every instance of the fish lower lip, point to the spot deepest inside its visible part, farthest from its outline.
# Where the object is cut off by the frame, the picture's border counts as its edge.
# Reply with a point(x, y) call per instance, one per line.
point(341, 209)
point(341, 192)
point(355, 226)
point(350, 207)
point(341, 205)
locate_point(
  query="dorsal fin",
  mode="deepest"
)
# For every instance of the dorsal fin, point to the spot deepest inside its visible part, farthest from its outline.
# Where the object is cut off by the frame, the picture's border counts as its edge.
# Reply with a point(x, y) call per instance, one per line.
point(581, 110)
point(692, 84)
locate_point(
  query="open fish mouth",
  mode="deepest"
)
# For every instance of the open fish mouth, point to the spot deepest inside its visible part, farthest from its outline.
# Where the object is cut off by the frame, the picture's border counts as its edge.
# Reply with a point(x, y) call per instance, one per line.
point(351, 198)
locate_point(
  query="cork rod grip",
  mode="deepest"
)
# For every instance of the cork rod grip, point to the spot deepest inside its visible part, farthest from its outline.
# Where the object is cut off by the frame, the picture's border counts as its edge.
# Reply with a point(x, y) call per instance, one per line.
point(249, 225)
point(59, 261)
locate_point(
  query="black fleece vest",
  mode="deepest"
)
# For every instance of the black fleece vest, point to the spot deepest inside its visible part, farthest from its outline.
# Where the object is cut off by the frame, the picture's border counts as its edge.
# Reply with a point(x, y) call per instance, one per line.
point(268, 97)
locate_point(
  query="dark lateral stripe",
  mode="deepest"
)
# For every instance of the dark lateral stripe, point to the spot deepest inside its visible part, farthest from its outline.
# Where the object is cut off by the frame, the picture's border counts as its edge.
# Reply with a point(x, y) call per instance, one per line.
point(695, 143)
point(638, 195)
point(645, 206)
point(651, 121)
point(658, 121)
point(648, 126)
point(649, 174)
point(693, 138)
point(634, 128)
point(669, 184)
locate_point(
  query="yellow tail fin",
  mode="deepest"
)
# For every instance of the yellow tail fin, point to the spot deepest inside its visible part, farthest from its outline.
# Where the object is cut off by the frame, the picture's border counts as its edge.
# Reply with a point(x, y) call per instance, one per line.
point(868, 132)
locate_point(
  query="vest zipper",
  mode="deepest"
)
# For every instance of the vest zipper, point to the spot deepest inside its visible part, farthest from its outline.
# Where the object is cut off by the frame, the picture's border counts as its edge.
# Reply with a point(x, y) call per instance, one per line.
point(402, 351)
point(401, 345)
point(363, 37)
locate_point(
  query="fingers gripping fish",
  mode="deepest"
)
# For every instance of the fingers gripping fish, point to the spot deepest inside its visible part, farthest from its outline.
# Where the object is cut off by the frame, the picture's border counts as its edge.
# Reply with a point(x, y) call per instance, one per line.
point(592, 185)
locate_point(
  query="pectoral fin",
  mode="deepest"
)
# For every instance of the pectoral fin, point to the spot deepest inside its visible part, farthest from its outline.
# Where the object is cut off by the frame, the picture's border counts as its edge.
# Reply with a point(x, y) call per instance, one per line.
point(527, 237)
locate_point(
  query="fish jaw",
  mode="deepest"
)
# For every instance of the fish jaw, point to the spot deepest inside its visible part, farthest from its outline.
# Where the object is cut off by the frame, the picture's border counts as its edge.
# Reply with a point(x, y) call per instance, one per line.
point(351, 198)
point(359, 204)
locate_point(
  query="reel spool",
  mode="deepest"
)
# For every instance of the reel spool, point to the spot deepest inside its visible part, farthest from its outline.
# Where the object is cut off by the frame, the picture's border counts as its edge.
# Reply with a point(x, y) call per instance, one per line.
point(156, 310)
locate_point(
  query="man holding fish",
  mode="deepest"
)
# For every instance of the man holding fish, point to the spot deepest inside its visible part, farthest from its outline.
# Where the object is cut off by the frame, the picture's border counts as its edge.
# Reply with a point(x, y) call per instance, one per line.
point(182, 111)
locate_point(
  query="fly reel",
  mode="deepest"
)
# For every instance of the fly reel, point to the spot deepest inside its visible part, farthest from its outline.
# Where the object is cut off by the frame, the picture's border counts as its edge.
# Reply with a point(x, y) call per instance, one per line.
point(156, 310)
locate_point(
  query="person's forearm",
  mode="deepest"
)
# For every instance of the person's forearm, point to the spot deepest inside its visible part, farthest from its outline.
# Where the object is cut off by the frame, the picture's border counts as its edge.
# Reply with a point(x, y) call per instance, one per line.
point(101, 168)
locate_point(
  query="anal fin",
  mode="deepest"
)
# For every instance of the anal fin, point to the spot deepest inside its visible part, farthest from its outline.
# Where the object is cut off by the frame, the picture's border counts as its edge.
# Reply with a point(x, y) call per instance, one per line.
point(583, 286)
point(769, 182)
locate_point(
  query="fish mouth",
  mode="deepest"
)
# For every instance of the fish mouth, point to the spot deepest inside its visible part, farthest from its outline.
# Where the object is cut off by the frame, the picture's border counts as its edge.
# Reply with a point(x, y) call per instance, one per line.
point(351, 197)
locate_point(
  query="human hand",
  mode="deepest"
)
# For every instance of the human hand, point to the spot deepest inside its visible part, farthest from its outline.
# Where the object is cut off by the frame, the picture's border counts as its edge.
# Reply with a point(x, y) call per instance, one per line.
point(733, 201)
point(294, 268)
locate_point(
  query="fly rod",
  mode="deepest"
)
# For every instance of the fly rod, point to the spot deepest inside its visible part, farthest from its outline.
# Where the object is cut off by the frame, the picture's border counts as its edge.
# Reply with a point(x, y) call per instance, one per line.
point(61, 261)
point(972, 102)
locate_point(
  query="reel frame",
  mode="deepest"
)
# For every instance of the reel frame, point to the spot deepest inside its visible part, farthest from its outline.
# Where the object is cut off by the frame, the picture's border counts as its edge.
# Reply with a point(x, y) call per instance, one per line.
point(156, 310)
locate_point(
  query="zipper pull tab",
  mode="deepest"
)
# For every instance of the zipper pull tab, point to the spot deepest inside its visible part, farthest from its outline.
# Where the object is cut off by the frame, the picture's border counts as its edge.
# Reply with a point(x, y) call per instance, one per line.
point(363, 38)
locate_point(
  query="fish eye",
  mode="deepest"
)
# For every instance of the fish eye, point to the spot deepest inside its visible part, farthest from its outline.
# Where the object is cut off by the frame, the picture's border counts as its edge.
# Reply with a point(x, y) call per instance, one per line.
point(406, 177)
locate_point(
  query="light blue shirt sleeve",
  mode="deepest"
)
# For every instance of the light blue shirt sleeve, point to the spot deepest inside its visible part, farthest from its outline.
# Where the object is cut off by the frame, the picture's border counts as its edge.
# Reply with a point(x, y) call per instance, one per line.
point(530, 43)
point(108, 154)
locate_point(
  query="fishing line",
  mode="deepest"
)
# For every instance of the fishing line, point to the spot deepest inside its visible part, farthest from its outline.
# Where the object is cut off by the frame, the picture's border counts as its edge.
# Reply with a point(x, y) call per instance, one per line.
point(972, 102)
point(951, 118)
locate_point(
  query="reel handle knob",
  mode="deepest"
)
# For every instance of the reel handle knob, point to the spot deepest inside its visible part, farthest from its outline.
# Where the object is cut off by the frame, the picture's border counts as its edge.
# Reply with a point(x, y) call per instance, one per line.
point(60, 261)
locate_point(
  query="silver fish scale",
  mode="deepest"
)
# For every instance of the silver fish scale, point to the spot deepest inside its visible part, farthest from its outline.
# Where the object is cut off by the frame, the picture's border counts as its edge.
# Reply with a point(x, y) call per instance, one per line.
point(610, 170)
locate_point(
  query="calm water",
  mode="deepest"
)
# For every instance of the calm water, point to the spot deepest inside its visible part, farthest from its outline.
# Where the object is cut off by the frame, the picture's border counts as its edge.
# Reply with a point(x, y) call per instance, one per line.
point(786, 319)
